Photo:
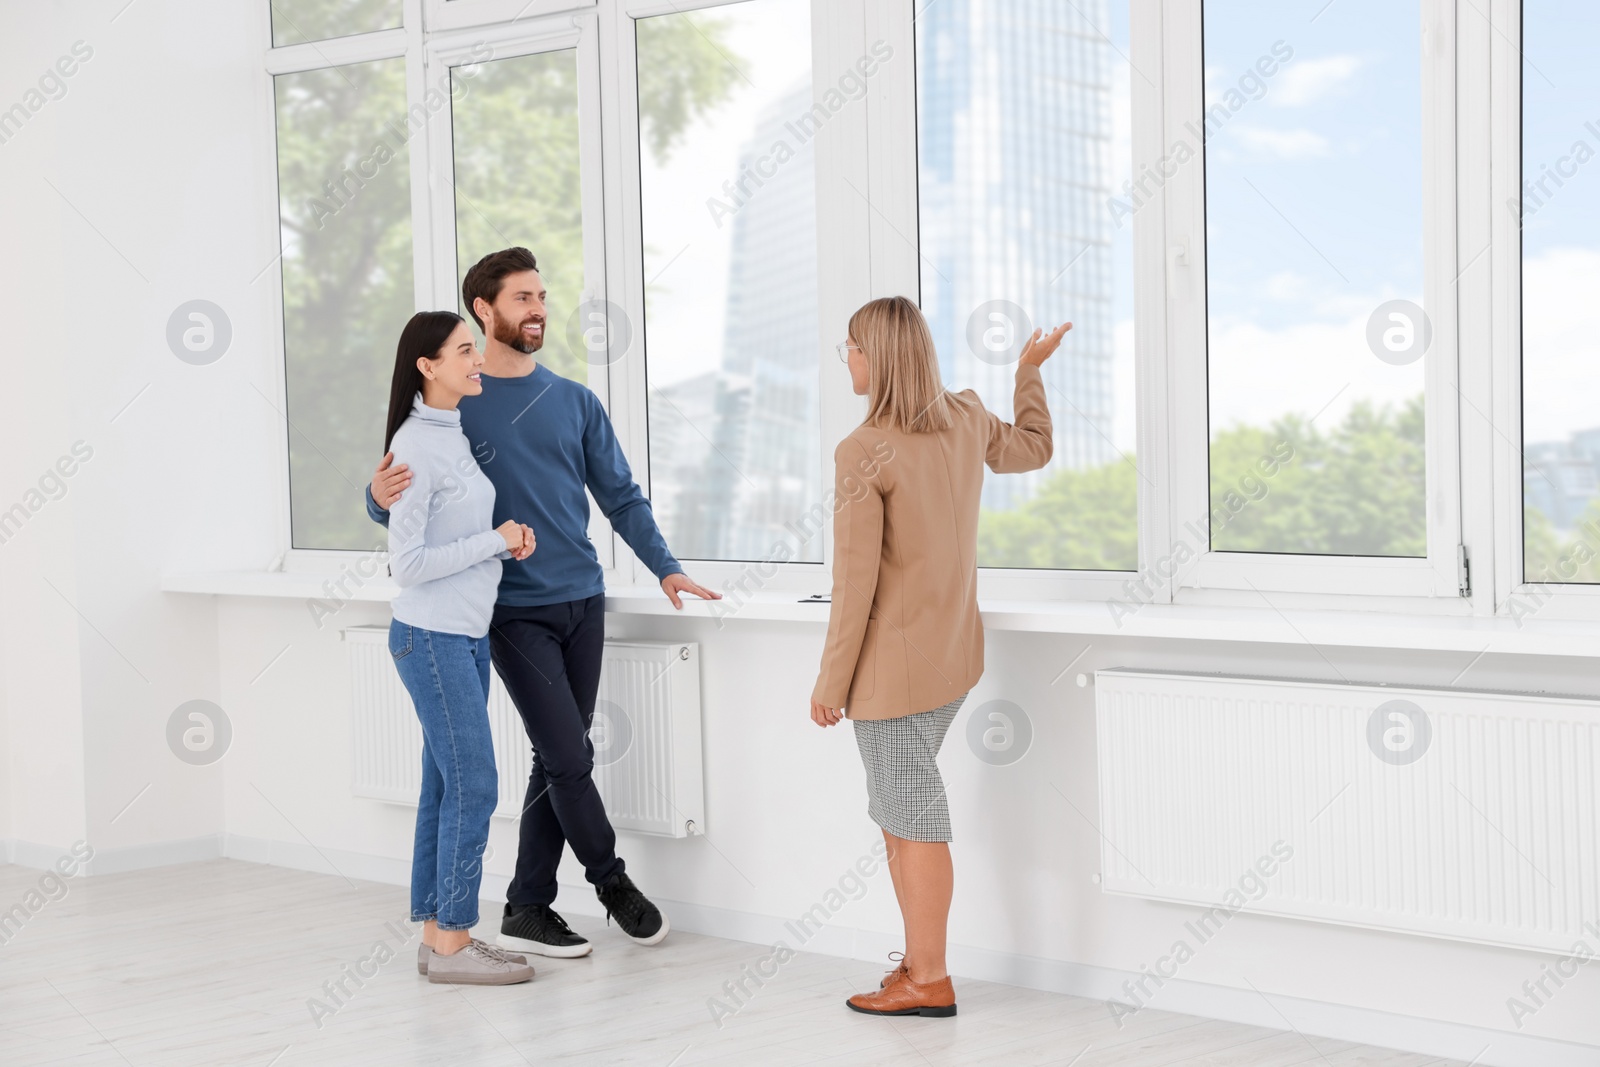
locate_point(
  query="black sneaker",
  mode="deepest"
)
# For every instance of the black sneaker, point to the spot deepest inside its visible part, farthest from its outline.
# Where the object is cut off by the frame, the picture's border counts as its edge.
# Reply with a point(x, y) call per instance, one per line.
point(638, 918)
point(537, 928)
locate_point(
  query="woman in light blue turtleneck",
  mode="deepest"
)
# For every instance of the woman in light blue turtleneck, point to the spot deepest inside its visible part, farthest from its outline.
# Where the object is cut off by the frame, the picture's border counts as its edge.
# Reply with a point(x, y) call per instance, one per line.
point(445, 553)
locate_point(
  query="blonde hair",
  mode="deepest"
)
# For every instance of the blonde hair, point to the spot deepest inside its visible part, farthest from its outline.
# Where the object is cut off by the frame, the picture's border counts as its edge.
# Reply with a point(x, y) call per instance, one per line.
point(904, 390)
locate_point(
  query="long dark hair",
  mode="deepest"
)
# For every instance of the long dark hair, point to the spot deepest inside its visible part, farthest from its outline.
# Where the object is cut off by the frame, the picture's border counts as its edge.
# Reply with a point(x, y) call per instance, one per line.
point(422, 338)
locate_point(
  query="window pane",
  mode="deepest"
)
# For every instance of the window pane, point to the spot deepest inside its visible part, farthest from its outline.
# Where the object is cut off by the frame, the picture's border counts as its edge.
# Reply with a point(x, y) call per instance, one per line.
point(299, 21)
point(1560, 275)
point(345, 208)
point(1023, 141)
point(517, 181)
point(728, 193)
point(1313, 157)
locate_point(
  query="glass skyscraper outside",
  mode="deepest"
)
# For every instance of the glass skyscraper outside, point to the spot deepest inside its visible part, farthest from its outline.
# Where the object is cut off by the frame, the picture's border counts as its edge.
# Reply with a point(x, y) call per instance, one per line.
point(1014, 127)
point(745, 462)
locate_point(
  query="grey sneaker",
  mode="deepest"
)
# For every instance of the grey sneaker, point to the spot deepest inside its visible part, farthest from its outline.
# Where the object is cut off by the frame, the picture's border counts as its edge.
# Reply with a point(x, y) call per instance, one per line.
point(477, 964)
point(424, 954)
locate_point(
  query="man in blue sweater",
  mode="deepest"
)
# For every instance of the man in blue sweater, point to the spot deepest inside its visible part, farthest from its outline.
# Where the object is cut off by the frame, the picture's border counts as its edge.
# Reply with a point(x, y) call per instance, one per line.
point(542, 440)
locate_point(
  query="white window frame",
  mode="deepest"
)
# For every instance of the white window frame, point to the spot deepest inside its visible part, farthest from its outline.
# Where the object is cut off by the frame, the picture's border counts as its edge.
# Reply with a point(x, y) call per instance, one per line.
point(404, 42)
point(1515, 596)
point(1506, 259)
point(835, 291)
point(443, 15)
point(1212, 577)
point(866, 205)
point(446, 52)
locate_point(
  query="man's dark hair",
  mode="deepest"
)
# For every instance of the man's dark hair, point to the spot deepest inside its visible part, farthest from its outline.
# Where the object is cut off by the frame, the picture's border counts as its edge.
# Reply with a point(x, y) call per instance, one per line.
point(488, 276)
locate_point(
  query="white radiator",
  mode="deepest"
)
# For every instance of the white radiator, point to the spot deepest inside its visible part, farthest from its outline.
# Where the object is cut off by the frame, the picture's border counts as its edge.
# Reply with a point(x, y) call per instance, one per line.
point(1454, 813)
point(646, 733)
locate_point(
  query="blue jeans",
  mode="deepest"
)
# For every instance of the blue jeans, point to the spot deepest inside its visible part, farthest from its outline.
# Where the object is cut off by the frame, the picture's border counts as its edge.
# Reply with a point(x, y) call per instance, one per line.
point(447, 676)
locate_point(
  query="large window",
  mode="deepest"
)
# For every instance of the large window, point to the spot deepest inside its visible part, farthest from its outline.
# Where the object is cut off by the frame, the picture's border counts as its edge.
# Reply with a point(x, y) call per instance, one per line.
point(1286, 214)
point(1023, 137)
point(344, 193)
point(1560, 214)
point(728, 209)
point(1314, 246)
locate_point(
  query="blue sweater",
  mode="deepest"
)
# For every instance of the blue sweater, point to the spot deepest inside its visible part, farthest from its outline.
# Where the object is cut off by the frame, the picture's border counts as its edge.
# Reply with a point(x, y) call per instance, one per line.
point(542, 439)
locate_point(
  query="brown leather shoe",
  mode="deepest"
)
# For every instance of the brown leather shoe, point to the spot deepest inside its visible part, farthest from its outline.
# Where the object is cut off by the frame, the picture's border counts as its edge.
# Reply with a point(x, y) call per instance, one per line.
point(905, 997)
point(900, 971)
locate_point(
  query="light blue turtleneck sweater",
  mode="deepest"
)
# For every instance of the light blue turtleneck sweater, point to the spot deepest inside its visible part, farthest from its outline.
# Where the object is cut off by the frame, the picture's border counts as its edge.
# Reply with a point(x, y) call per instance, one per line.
point(443, 549)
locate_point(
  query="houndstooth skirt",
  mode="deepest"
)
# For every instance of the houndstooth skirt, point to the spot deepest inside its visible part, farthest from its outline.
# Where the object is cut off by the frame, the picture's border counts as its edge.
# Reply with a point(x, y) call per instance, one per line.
point(904, 790)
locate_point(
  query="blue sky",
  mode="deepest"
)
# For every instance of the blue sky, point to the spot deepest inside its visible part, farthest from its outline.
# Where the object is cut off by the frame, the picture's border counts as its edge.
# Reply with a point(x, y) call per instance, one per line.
point(1561, 237)
point(1333, 150)
point(1314, 203)
point(1561, 93)
point(1322, 176)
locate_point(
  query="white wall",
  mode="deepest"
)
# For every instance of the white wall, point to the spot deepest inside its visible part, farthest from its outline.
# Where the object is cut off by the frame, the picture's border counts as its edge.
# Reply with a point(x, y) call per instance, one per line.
point(123, 200)
point(7, 774)
point(160, 145)
point(786, 813)
point(39, 634)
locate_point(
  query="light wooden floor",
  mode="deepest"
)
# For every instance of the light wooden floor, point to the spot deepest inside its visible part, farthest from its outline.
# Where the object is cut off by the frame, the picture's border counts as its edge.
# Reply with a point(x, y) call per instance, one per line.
point(213, 963)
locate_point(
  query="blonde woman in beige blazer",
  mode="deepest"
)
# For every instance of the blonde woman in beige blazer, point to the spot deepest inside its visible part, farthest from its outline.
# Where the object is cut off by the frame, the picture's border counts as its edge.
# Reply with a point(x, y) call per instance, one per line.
point(905, 644)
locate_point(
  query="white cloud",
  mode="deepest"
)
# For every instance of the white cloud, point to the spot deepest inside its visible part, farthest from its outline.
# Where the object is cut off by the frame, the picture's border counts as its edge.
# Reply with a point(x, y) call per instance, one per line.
point(1561, 343)
point(1312, 297)
point(1260, 374)
point(1287, 285)
point(1309, 80)
point(1281, 144)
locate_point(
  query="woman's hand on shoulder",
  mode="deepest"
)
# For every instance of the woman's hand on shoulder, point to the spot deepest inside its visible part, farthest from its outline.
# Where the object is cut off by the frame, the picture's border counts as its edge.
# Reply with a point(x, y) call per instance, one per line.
point(823, 715)
point(389, 481)
point(1042, 346)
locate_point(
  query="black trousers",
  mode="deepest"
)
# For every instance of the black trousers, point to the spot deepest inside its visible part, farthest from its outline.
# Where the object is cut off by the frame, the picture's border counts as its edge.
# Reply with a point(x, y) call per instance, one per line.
point(549, 659)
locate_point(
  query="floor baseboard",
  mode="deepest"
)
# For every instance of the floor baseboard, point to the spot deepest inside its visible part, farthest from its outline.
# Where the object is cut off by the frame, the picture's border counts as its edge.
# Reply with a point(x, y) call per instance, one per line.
point(155, 854)
point(1477, 1045)
point(118, 859)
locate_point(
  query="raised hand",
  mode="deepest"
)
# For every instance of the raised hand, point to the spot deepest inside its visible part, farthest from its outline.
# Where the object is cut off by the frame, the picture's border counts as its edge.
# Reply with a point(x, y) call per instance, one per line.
point(1041, 347)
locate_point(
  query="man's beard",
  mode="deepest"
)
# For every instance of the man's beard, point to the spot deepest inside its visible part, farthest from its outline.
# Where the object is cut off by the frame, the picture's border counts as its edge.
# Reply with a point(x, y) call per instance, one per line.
point(510, 335)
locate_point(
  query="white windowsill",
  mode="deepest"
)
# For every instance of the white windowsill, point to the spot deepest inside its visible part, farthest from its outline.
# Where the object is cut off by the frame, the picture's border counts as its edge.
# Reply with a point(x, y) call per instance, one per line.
point(1250, 625)
point(295, 585)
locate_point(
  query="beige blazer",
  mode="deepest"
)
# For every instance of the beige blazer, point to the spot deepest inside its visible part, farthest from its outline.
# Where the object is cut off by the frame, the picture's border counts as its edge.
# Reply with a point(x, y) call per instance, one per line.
point(904, 634)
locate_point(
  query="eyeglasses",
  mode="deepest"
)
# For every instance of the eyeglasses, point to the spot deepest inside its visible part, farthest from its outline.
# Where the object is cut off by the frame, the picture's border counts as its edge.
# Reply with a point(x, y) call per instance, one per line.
point(843, 348)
